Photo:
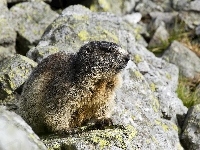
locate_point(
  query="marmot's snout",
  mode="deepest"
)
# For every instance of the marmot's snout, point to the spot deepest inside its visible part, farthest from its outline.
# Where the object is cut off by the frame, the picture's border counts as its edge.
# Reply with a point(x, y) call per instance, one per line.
point(127, 58)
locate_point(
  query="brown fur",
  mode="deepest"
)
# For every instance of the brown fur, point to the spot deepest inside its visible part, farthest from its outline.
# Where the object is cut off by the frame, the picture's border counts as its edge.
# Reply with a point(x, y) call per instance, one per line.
point(65, 90)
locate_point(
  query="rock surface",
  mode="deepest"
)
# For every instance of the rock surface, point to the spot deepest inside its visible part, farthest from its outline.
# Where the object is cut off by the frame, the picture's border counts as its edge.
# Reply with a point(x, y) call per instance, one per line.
point(147, 6)
point(30, 23)
point(160, 36)
point(192, 19)
point(14, 72)
point(190, 136)
point(77, 25)
point(18, 1)
point(7, 33)
point(16, 134)
point(186, 60)
point(120, 7)
point(186, 5)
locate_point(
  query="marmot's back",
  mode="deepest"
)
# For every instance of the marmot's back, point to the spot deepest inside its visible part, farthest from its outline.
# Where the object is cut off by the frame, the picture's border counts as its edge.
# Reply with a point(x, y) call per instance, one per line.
point(66, 90)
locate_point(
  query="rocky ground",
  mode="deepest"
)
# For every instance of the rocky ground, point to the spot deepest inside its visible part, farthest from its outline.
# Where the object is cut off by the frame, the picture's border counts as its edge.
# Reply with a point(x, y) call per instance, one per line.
point(148, 113)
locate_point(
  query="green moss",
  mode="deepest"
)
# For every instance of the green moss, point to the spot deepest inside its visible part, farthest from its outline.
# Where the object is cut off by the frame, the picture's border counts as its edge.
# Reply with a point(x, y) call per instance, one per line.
point(100, 5)
point(176, 32)
point(80, 17)
point(152, 87)
point(155, 104)
point(137, 58)
point(49, 50)
point(102, 142)
point(103, 139)
point(187, 92)
point(168, 76)
point(93, 7)
point(83, 35)
point(138, 74)
point(14, 72)
point(111, 35)
point(175, 127)
point(163, 125)
point(104, 4)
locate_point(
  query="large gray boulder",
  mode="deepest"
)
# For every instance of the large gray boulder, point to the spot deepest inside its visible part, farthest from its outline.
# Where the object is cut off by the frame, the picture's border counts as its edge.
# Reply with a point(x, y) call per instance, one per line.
point(188, 11)
point(19, 1)
point(146, 104)
point(190, 136)
point(14, 72)
point(77, 25)
point(30, 20)
point(16, 134)
point(186, 5)
point(186, 60)
point(191, 18)
point(160, 37)
point(120, 7)
point(7, 33)
point(147, 6)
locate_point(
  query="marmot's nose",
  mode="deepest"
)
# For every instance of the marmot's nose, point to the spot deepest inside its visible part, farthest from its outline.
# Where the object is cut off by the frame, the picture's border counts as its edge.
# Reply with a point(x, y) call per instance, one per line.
point(127, 57)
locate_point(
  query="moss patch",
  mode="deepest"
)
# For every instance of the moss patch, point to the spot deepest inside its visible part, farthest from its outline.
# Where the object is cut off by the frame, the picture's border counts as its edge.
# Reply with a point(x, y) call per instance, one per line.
point(101, 139)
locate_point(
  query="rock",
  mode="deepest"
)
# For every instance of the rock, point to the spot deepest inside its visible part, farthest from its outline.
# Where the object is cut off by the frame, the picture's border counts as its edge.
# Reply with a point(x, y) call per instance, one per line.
point(16, 134)
point(3, 2)
point(121, 7)
point(133, 18)
point(138, 28)
point(180, 4)
point(166, 17)
point(78, 25)
point(160, 36)
point(147, 6)
point(14, 72)
point(197, 92)
point(7, 33)
point(19, 1)
point(186, 5)
point(195, 5)
point(162, 78)
point(190, 136)
point(186, 60)
point(30, 20)
point(197, 30)
point(192, 19)
point(165, 4)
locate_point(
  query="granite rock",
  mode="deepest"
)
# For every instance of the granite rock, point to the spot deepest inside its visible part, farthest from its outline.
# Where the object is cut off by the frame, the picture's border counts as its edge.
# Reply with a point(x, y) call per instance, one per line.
point(190, 136)
point(16, 134)
point(14, 72)
point(186, 60)
point(7, 33)
point(30, 23)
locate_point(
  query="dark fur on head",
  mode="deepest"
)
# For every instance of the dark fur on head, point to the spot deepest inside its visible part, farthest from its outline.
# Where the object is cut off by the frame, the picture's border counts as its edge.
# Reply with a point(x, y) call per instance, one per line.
point(101, 58)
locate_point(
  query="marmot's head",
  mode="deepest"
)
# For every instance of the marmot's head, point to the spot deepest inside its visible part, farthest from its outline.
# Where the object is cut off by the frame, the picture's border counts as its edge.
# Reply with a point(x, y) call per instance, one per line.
point(101, 59)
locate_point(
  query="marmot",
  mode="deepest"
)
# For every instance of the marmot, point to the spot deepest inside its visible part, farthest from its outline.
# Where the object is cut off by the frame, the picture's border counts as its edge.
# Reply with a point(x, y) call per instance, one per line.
point(65, 90)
